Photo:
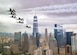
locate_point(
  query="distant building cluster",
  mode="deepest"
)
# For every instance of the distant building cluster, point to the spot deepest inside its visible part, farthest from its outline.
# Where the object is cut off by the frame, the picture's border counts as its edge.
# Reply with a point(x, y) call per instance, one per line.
point(61, 43)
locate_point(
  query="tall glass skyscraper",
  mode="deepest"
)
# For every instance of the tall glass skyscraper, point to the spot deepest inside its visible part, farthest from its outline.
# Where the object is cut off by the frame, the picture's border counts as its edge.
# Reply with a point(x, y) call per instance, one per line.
point(35, 26)
point(58, 34)
point(35, 30)
point(68, 37)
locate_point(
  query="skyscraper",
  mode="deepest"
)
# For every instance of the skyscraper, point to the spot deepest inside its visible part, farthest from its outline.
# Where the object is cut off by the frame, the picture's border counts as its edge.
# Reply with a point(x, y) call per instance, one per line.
point(25, 42)
point(73, 44)
point(46, 36)
point(17, 38)
point(35, 26)
point(59, 35)
point(76, 43)
point(32, 44)
point(35, 30)
point(68, 37)
point(53, 44)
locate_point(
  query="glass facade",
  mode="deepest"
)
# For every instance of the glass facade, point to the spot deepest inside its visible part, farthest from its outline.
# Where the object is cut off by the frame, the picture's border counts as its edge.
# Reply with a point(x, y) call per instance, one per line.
point(35, 30)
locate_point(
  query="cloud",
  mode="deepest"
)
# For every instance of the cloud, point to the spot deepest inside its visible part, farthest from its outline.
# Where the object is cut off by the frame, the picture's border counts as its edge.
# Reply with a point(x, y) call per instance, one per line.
point(8, 24)
point(65, 8)
point(6, 4)
point(40, 3)
point(48, 13)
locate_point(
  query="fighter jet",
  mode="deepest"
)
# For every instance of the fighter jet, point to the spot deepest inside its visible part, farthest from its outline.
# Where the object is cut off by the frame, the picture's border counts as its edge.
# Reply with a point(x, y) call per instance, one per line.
point(20, 19)
point(13, 16)
point(12, 13)
point(20, 22)
point(11, 10)
point(28, 26)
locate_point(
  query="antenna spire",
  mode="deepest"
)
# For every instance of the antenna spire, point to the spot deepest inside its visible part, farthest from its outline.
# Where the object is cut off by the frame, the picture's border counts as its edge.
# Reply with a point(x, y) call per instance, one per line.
point(35, 13)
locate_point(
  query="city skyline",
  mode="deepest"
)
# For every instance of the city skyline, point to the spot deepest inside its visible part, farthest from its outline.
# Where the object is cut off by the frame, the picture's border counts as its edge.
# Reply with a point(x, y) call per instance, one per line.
point(38, 27)
point(49, 12)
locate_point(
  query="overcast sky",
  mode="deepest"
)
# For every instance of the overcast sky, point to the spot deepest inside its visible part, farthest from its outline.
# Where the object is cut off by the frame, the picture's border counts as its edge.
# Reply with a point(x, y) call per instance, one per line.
point(49, 12)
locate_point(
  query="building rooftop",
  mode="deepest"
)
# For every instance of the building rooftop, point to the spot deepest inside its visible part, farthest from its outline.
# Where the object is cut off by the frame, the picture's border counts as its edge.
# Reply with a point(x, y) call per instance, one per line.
point(35, 16)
